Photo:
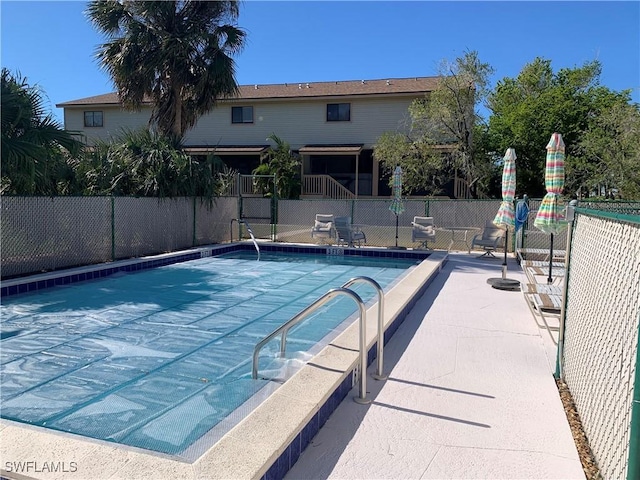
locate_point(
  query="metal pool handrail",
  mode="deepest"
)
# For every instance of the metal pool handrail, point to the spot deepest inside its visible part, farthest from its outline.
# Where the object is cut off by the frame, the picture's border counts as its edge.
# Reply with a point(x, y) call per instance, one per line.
point(379, 375)
point(283, 329)
point(242, 221)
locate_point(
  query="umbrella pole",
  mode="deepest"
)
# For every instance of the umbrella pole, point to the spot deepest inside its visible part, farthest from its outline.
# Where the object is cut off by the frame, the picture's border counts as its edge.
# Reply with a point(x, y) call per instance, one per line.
point(505, 283)
point(549, 279)
point(504, 264)
point(396, 229)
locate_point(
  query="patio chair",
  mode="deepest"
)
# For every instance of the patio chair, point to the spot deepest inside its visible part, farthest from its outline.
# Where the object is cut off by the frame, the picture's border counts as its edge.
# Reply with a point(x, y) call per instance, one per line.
point(490, 239)
point(348, 234)
point(324, 227)
point(423, 231)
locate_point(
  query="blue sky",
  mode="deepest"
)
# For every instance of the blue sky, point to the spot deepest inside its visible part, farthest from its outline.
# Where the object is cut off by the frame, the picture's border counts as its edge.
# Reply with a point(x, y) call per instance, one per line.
point(52, 43)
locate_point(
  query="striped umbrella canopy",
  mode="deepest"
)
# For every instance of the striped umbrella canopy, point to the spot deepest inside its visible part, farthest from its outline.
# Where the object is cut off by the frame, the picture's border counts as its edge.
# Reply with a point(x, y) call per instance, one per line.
point(506, 216)
point(397, 205)
point(550, 217)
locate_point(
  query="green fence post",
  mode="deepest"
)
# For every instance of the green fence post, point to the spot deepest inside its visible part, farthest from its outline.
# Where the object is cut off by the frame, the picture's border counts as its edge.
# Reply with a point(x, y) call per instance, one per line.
point(113, 229)
point(633, 467)
point(239, 217)
point(426, 208)
point(194, 222)
point(274, 211)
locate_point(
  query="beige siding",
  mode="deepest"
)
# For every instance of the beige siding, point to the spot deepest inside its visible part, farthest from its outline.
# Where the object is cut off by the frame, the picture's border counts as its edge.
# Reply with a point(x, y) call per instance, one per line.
point(299, 122)
point(303, 123)
point(114, 121)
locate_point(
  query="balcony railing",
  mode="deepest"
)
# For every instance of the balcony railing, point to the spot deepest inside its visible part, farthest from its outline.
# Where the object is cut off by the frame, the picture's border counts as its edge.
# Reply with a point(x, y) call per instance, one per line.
point(325, 186)
point(246, 186)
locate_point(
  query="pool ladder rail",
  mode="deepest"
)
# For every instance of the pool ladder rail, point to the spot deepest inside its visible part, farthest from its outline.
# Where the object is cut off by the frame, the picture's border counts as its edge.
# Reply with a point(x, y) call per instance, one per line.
point(283, 330)
point(242, 221)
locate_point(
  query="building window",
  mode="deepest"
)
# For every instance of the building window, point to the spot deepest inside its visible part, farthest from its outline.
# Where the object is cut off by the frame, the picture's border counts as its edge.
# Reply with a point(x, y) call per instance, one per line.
point(93, 119)
point(338, 112)
point(241, 114)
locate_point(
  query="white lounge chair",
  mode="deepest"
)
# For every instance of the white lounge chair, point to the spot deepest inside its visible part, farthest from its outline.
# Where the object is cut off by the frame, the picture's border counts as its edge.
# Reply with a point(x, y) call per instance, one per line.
point(348, 234)
point(324, 227)
point(423, 231)
point(491, 238)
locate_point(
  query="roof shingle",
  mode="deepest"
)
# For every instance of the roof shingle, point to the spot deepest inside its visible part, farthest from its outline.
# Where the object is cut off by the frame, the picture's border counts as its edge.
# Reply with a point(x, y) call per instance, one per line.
point(414, 85)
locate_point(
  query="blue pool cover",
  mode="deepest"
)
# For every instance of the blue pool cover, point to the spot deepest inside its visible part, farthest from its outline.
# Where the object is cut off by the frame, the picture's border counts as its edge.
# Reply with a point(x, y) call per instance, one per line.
point(155, 359)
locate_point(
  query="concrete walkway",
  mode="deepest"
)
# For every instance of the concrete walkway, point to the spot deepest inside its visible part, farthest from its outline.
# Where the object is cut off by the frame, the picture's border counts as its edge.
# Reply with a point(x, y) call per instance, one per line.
point(470, 393)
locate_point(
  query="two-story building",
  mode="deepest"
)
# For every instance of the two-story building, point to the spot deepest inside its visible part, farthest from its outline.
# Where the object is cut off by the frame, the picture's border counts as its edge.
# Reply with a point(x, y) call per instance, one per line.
point(332, 125)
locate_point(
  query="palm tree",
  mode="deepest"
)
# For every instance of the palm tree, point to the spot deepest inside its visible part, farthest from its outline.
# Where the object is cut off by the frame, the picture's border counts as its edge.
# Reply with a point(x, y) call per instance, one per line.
point(145, 163)
point(285, 165)
point(36, 150)
point(175, 53)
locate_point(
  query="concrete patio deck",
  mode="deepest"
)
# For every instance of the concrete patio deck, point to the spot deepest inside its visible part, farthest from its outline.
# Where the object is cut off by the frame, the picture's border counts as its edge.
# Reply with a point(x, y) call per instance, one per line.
point(470, 393)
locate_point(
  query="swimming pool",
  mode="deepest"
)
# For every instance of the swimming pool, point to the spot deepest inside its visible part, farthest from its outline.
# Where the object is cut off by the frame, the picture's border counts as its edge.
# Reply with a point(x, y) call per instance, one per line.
point(156, 359)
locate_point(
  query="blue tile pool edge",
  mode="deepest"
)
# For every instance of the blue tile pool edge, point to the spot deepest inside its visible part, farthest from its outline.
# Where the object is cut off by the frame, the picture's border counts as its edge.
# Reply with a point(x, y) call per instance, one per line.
point(80, 274)
point(292, 452)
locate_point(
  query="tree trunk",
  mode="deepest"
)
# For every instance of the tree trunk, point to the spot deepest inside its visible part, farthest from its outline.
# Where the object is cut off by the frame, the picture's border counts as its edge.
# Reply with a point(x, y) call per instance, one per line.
point(177, 115)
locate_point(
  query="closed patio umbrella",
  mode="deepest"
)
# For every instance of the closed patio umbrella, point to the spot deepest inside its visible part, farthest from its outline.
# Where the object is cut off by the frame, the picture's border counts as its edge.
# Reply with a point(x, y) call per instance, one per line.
point(506, 217)
point(550, 218)
point(397, 205)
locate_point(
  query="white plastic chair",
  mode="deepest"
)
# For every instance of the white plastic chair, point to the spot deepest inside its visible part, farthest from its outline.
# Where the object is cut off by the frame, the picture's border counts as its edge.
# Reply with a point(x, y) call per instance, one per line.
point(324, 227)
point(423, 231)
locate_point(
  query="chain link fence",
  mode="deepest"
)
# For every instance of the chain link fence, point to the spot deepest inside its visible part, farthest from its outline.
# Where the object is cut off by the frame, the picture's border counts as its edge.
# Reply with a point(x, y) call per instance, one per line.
point(625, 207)
point(530, 237)
point(49, 233)
point(42, 234)
point(600, 355)
point(296, 217)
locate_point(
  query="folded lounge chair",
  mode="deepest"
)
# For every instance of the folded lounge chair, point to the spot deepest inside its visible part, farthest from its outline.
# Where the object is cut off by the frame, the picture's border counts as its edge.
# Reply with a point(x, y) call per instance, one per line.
point(545, 301)
point(491, 238)
point(423, 231)
point(557, 263)
point(540, 254)
point(540, 274)
point(324, 227)
point(347, 233)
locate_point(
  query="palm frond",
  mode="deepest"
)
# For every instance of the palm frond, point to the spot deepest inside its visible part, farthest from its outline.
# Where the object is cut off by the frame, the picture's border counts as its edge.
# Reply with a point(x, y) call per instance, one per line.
point(178, 54)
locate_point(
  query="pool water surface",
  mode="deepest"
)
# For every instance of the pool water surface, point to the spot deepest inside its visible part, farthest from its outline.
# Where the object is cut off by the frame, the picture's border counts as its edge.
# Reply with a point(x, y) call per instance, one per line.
point(155, 359)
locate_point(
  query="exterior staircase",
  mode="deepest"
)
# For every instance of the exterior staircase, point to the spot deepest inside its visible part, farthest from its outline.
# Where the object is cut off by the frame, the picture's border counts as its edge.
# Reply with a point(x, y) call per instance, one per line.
point(324, 186)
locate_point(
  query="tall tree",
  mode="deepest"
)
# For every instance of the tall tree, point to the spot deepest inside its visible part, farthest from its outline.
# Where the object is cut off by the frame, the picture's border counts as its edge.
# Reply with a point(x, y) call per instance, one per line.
point(424, 169)
point(446, 116)
point(528, 109)
point(178, 54)
point(610, 153)
point(36, 150)
point(144, 163)
point(449, 114)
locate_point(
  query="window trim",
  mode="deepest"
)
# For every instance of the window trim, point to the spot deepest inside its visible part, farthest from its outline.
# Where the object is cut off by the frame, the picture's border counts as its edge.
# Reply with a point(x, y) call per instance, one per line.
point(93, 115)
point(242, 109)
point(338, 119)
